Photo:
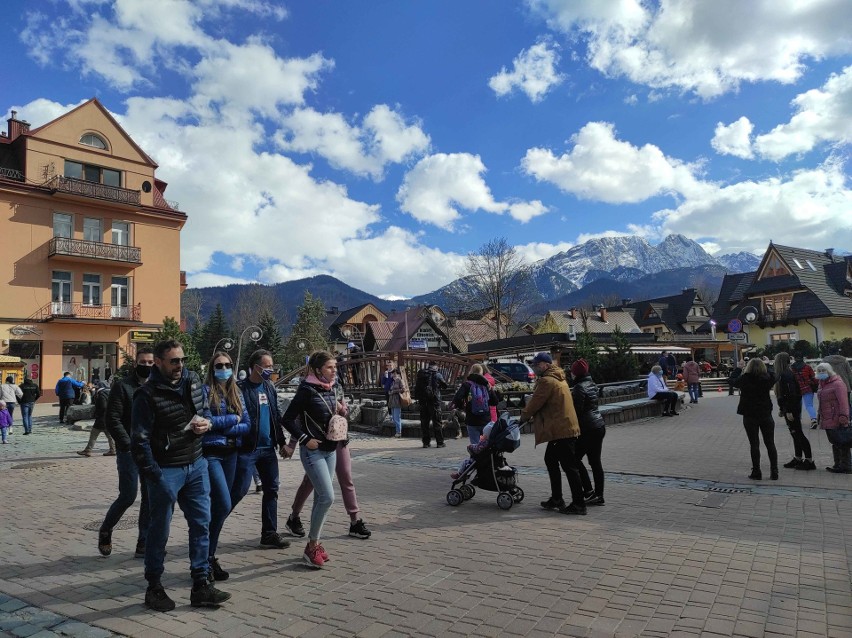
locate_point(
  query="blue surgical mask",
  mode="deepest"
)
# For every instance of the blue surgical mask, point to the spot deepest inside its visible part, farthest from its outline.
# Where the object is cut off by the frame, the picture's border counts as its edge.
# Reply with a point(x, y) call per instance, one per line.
point(822, 376)
point(223, 375)
point(266, 373)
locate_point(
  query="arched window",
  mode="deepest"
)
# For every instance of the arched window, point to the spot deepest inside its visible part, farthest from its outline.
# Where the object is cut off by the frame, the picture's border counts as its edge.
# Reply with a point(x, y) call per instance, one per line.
point(95, 141)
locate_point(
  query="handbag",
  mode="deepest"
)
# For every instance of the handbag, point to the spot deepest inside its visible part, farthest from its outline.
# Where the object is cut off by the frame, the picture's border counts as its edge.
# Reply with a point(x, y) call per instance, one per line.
point(840, 436)
point(404, 398)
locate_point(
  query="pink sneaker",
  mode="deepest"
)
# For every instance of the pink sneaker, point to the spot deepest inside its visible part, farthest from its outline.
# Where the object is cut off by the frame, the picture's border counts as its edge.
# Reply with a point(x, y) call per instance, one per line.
point(324, 554)
point(313, 557)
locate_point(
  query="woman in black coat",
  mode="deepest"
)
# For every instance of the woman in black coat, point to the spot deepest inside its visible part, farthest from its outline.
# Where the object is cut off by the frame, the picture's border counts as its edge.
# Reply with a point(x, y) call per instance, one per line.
point(789, 397)
point(584, 392)
point(755, 406)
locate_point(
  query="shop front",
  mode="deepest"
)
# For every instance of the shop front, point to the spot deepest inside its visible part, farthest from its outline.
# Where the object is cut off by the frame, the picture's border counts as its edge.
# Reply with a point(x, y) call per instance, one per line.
point(89, 361)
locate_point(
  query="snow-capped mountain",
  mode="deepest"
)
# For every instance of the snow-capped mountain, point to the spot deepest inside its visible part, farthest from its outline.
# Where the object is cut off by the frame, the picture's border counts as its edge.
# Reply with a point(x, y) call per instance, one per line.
point(739, 262)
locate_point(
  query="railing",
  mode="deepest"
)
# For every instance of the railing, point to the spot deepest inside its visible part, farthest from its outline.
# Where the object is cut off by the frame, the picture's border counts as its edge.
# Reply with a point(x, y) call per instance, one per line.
point(11, 173)
point(92, 189)
point(94, 249)
point(77, 310)
point(770, 316)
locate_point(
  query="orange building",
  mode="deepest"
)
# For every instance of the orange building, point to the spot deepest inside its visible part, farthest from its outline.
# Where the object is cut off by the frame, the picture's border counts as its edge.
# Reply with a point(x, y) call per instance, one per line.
point(89, 247)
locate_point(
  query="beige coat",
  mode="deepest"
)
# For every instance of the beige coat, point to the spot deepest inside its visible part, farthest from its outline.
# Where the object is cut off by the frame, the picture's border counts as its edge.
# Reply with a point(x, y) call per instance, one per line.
point(551, 408)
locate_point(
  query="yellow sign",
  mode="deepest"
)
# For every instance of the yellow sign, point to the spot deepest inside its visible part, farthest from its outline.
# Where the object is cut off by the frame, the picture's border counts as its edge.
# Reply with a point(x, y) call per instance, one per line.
point(142, 336)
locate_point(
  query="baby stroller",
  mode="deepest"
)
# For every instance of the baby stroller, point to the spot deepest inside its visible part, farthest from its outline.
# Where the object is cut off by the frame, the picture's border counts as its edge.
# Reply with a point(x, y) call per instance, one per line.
point(490, 471)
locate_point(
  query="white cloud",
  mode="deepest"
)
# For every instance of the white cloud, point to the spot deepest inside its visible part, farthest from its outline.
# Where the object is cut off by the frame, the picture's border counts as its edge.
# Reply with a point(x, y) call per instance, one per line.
point(536, 251)
point(209, 279)
point(822, 115)
point(383, 138)
point(734, 139)
point(708, 48)
point(533, 72)
point(439, 185)
point(710, 247)
point(603, 168)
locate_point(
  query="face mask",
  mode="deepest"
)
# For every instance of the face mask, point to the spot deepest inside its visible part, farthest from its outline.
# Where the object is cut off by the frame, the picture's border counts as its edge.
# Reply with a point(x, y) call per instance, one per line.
point(143, 371)
point(659, 374)
point(822, 376)
point(266, 373)
point(223, 375)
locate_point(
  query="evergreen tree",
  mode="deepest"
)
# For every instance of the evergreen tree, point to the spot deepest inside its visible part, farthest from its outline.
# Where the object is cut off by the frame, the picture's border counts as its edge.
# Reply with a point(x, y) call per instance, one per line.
point(214, 331)
point(587, 348)
point(271, 339)
point(171, 330)
point(618, 363)
point(308, 332)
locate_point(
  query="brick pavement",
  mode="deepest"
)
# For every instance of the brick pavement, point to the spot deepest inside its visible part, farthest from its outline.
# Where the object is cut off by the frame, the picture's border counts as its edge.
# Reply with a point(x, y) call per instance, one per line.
point(651, 563)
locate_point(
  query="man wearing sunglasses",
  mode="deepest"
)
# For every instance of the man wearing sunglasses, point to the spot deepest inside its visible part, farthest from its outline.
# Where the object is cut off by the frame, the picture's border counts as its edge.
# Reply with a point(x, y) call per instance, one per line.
point(167, 431)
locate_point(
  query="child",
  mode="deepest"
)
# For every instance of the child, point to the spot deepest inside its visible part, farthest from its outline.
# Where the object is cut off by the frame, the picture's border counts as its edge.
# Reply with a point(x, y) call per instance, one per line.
point(473, 450)
point(680, 384)
point(5, 421)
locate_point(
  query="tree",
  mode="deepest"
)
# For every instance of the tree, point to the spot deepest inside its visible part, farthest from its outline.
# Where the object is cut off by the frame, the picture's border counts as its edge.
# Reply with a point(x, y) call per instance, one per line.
point(547, 325)
point(214, 331)
point(587, 348)
point(707, 290)
point(495, 276)
point(271, 339)
point(308, 334)
point(251, 304)
point(618, 363)
point(804, 347)
point(191, 303)
point(171, 330)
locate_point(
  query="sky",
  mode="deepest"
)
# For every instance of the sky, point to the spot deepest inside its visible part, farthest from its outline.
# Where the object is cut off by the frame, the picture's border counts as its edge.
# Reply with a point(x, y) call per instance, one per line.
point(381, 141)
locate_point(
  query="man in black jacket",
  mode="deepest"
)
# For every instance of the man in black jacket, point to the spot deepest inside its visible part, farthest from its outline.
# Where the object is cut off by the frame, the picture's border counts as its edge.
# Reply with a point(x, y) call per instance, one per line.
point(166, 444)
point(427, 390)
point(117, 423)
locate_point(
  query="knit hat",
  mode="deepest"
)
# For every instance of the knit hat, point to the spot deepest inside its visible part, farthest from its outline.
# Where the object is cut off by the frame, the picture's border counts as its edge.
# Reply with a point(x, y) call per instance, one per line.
point(579, 368)
point(542, 356)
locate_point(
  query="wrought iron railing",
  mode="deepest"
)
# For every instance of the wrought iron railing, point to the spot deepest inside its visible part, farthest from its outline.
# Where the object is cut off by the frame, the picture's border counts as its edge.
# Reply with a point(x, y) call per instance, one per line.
point(77, 310)
point(11, 173)
point(770, 316)
point(93, 189)
point(94, 249)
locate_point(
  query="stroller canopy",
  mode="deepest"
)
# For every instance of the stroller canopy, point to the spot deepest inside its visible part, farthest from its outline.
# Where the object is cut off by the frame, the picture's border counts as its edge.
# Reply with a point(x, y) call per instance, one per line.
point(505, 434)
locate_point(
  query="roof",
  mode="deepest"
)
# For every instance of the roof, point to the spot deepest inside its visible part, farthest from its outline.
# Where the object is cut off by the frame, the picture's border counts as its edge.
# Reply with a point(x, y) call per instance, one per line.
point(620, 318)
point(463, 332)
point(672, 310)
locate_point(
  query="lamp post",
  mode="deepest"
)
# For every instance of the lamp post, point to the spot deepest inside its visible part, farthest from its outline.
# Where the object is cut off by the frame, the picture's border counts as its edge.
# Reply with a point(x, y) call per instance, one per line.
point(749, 318)
point(255, 335)
point(227, 345)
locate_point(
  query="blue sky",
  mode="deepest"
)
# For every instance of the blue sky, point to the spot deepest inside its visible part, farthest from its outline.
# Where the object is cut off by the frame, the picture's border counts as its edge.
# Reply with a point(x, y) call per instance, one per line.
point(381, 141)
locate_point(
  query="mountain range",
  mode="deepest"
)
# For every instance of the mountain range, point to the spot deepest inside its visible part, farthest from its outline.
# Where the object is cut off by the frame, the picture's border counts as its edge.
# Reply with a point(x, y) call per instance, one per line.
point(601, 270)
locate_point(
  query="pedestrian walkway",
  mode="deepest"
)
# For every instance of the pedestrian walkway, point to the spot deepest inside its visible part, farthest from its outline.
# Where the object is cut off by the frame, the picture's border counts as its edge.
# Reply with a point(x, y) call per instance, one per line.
point(685, 546)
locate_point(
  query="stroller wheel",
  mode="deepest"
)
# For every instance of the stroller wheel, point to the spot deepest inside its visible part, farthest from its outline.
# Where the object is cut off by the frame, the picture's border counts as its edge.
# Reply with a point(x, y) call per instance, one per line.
point(468, 491)
point(518, 495)
point(455, 497)
point(504, 500)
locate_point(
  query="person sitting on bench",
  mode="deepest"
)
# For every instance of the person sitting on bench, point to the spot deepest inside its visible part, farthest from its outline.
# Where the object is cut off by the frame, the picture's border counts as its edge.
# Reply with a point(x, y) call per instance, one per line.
point(658, 391)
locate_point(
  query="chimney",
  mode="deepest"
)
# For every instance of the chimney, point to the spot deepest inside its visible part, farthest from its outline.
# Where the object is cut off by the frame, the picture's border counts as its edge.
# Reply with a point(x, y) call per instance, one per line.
point(572, 313)
point(603, 314)
point(17, 127)
point(829, 252)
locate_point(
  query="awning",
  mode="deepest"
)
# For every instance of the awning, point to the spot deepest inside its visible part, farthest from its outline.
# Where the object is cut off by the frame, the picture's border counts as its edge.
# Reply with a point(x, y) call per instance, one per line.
point(656, 350)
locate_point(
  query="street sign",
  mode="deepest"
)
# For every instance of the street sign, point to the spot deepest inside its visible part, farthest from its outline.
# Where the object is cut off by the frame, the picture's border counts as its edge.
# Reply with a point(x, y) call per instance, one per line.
point(417, 344)
point(735, 325)
point(737, 336)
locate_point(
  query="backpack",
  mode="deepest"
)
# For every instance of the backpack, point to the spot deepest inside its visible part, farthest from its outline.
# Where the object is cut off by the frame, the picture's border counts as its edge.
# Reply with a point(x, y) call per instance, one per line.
point(478, 400)
point(424, 386)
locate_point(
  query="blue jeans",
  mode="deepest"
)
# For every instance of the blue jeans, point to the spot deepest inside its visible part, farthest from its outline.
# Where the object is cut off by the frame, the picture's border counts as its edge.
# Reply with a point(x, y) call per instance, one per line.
point(27, 416)
point(11, 408)
point(128, 479)
point(222, 469)
point(808, 400)
point(474, 432)
point(319, 466)
point(693, 391)
point(266, 462)
point(396, 415)
point(189, 486)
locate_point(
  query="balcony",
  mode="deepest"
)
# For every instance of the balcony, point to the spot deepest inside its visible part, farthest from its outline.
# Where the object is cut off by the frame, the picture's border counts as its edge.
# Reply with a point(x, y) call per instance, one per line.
point(93, 250)
point(77, 310)
point(773, 317)
point(83, 188)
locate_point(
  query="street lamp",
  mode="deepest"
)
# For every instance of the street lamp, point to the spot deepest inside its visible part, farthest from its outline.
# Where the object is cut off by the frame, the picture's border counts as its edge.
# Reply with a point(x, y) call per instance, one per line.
point(750, 317)
point(255, 335)
point(227, 345)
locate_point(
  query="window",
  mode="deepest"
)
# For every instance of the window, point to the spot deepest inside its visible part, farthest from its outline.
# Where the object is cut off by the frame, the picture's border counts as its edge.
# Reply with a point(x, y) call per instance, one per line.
point(90, 173)
point(91, 290)
point(121, 233)
point(63, 225)
point(782, 336)
point(95, 141)
point(92, 229)
point(808, 261)
point(60, 293)
point(798, 264)
point(776, 308)
point(120, 298)
point(775, 268)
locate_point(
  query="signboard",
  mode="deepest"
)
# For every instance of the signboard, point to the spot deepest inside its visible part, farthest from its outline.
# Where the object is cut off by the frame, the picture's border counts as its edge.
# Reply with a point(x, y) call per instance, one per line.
point(737, 336)
point(417, 344)
point(735, 325)
point(143, 336)
point(20, 331)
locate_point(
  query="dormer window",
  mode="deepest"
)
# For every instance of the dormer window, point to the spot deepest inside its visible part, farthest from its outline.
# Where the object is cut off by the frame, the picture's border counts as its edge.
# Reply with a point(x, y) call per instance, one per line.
point(95, 141)
point(775, 268)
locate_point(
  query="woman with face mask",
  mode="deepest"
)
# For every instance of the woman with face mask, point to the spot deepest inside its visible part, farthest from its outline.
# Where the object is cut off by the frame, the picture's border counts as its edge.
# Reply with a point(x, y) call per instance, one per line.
point(834, 417)
point(226, 411)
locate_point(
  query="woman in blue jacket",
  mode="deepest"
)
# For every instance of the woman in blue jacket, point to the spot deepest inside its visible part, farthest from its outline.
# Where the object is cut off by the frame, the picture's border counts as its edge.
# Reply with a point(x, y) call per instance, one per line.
point(225, 410)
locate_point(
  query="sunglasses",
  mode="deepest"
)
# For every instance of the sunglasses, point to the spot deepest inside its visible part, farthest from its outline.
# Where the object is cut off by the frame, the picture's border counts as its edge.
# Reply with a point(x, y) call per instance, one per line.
point(177, 360)
point(223, 366)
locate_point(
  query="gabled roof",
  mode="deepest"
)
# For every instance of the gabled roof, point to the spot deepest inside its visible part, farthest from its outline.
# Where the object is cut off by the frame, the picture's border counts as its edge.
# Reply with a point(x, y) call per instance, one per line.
point(620, 318)
point(465, 332)
point(672, 310)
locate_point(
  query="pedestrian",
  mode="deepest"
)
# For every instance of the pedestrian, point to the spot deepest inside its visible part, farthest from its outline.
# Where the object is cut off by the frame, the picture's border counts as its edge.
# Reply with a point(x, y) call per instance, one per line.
point(663, 362)
point(672, 365)
point(394, 392)
point(658, 391)
point(834, 417)
point(584, 394)
point(167, 428)
point(5, 422)
point(551, 410)
point(118, 421)
point(30, 393)
point(492, 382)
point(427, 390)
point(807, 384)
point(841, 367)
point(789, 398)
point(229, 422)
point(476, 398)
point(99, 426)
point(66, 390)
point(260, 446)
point(309, 420)
point(755, 406)
point(735, 374)
point(387, 379)
point(692, 377)
point(11, 394)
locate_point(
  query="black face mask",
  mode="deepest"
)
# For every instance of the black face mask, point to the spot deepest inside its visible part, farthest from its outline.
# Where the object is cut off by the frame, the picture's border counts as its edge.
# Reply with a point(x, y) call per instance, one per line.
point(143, 371)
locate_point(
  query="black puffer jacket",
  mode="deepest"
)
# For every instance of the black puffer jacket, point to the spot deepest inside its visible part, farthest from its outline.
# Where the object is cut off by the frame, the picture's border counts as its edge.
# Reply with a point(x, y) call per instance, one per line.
point(585, 395)
point(754, 394)
point(462, 400)
point(119, 410)
point(309, 412)
point(788, 394)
